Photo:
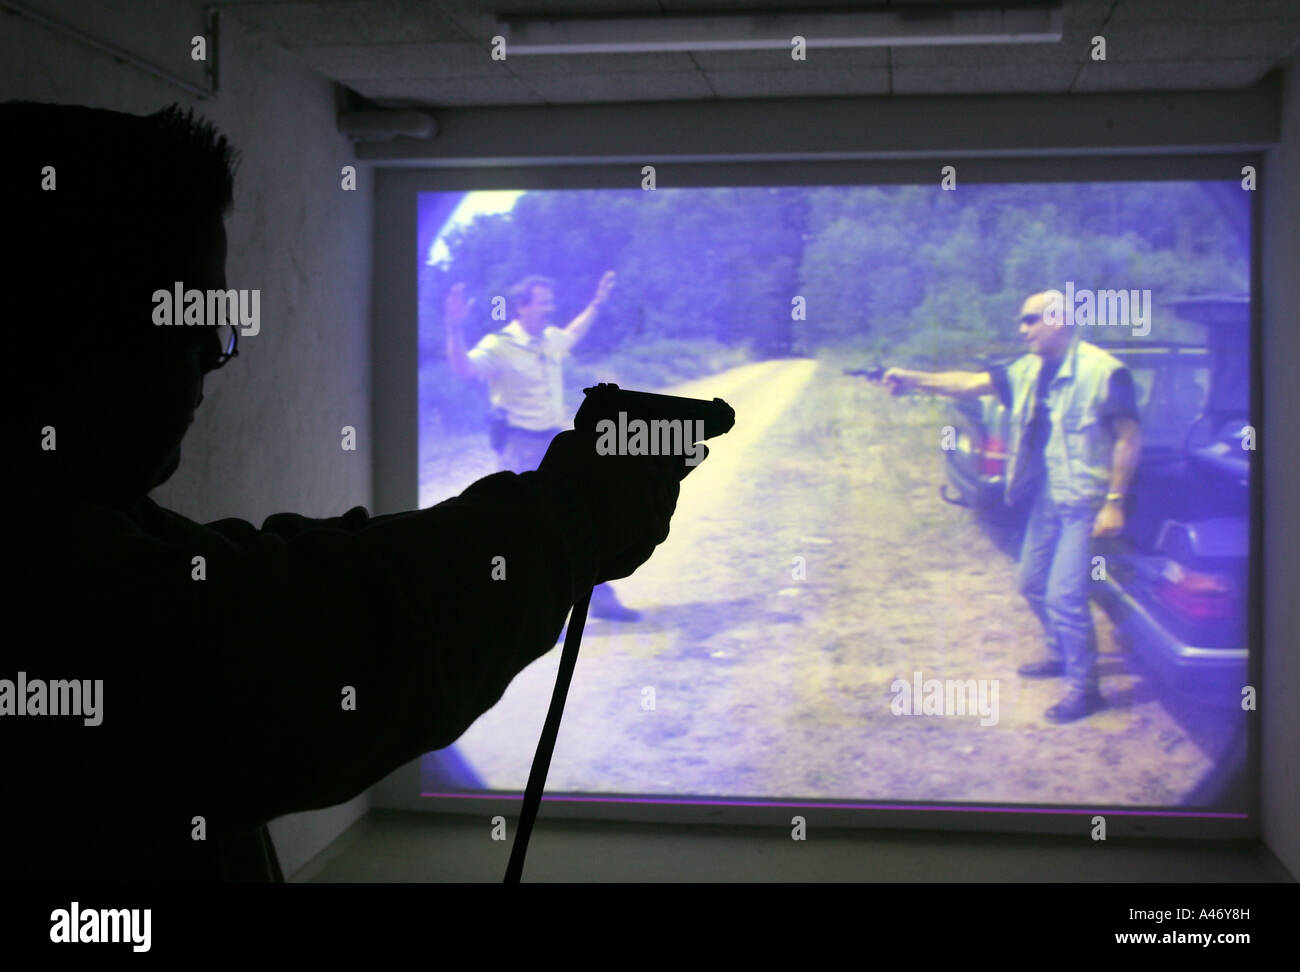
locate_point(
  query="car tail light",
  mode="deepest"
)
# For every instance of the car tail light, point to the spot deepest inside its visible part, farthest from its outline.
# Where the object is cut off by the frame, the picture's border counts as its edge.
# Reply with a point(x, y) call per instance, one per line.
point(1196, 595)
point(993, 460)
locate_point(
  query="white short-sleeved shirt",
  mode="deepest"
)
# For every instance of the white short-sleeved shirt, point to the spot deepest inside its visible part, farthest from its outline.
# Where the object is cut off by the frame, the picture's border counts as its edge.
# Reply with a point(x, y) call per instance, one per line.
point(525, 374)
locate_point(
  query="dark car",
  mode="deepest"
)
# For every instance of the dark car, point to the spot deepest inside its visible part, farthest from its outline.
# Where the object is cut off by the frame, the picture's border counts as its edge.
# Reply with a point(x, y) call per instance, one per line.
point(1175, 582)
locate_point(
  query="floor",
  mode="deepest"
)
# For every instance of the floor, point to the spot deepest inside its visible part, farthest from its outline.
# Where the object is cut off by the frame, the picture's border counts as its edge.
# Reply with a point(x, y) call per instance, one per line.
point(405, 846)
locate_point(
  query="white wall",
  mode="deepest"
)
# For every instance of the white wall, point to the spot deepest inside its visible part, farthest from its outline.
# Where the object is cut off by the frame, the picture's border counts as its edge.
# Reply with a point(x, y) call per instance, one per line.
point(266, 438)
point(1279, 712)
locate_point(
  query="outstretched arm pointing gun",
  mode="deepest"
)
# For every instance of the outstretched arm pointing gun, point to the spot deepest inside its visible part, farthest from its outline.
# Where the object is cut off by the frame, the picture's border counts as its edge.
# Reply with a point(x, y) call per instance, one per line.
point(955, 384)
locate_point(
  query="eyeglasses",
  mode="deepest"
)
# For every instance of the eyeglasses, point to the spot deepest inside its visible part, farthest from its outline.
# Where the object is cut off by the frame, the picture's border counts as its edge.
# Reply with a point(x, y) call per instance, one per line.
point(1030, 318)
point(227, 347)
point(213, 351)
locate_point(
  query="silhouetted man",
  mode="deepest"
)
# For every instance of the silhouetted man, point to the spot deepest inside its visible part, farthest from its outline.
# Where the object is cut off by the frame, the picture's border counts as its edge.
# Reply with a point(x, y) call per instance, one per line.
point(1075, 443)
point(168, 687)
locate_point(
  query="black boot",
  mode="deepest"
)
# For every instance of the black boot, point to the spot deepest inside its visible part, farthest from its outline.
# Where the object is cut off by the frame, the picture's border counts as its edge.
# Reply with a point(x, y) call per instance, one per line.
point(605, 604)
point(1077, 705)
point(1045, 668)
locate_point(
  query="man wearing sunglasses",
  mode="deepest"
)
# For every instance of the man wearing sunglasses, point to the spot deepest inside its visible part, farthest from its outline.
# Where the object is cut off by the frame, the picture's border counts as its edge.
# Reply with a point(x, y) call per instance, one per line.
point(1075, 443)
point(246, 672)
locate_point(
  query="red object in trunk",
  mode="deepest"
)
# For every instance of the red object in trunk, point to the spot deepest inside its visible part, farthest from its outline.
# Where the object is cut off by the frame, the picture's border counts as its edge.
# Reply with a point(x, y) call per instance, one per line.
point(993, 460)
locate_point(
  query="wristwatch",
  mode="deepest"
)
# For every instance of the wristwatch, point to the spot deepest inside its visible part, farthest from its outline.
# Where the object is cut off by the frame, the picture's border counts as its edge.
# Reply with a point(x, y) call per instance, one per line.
point(1114, 497)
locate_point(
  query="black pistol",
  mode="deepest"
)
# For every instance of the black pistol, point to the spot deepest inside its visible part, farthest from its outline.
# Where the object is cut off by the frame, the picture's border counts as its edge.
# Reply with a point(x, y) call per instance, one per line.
point(874, 375)
point(608, 402)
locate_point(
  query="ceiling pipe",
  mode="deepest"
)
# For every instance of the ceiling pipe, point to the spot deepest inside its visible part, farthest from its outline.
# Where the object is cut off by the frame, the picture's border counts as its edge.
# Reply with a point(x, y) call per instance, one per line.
point(768, 30)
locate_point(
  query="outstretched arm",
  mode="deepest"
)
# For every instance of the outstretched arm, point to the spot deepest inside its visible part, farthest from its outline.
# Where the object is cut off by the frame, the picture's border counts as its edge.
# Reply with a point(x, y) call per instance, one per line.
point(957, 384)
point(579, 326)
point(426, 614)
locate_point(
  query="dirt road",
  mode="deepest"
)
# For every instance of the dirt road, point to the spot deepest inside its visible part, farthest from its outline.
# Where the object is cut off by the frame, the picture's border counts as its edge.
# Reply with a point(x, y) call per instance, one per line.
point(768, 684)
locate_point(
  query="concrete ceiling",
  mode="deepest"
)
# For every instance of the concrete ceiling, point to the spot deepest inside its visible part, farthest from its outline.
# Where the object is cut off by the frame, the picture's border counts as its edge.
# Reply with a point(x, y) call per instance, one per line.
point(416, 53)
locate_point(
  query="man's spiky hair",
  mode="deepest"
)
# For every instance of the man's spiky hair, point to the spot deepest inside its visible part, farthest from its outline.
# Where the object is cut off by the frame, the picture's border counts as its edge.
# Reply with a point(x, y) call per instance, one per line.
point(214, 158)
point(100, 208)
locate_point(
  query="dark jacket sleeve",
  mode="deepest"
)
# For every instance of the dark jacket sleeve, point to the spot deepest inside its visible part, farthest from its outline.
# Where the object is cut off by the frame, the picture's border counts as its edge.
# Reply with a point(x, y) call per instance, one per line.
point(343, 648)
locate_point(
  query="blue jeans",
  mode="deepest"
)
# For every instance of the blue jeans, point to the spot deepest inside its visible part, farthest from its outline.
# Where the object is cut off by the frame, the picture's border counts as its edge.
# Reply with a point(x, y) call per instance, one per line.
point(1055, 577)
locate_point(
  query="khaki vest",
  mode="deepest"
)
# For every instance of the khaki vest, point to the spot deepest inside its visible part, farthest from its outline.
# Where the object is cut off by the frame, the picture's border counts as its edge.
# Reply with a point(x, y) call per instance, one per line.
point(1080, 445)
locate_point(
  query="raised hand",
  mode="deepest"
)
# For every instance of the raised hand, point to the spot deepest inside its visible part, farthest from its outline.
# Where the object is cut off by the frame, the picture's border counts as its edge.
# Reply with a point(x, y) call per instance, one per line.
point(603, 288)
point(458, 309)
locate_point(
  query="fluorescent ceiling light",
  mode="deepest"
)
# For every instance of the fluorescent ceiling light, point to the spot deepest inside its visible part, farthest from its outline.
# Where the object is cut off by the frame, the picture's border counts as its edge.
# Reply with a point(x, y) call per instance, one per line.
point(899, 27)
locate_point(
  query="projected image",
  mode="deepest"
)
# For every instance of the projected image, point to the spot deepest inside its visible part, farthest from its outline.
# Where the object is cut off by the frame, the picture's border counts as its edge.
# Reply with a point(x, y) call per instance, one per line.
point(979, 536)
